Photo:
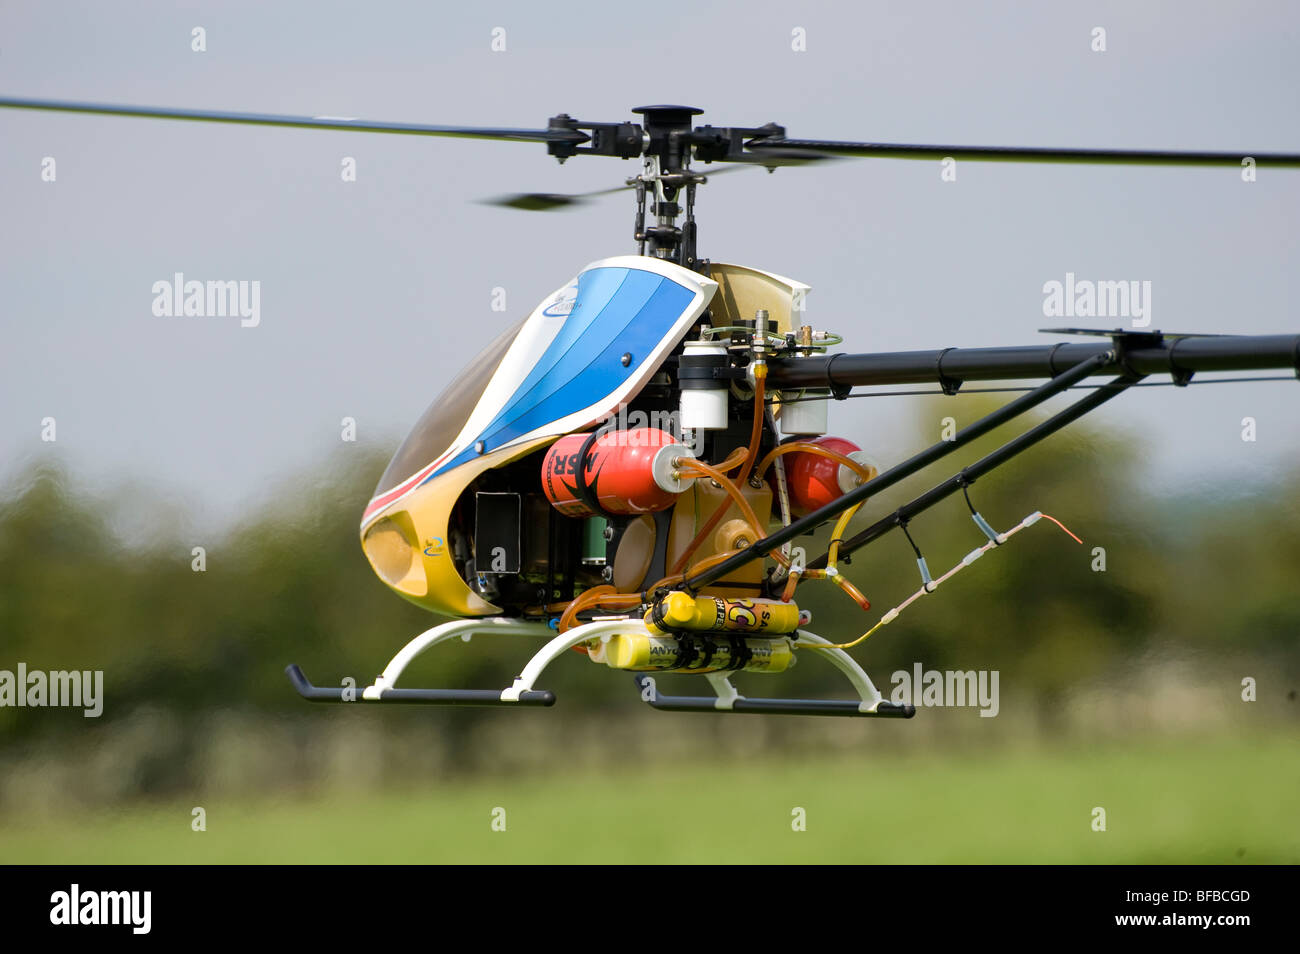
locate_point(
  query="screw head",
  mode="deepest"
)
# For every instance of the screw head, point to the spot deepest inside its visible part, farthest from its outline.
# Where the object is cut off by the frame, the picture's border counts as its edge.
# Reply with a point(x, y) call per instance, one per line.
point(627, 358)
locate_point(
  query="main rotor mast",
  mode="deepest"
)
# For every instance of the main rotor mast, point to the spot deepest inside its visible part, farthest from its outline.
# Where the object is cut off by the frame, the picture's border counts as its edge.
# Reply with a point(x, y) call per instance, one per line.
point(667, 156)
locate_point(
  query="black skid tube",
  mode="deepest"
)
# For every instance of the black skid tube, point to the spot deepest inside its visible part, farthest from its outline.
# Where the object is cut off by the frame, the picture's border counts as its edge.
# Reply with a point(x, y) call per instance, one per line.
point(818, 707)
point(428, 697)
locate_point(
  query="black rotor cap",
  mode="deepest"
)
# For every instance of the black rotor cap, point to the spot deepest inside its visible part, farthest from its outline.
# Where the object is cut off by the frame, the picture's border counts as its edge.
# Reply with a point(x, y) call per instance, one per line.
point(664, 125)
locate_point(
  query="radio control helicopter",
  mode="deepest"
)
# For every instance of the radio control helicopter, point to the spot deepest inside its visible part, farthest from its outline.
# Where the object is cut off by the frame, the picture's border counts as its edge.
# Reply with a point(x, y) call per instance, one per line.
point(633, 470)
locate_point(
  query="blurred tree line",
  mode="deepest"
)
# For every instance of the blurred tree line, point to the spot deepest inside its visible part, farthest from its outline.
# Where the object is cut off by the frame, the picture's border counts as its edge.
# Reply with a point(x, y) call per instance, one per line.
point(1215, 577)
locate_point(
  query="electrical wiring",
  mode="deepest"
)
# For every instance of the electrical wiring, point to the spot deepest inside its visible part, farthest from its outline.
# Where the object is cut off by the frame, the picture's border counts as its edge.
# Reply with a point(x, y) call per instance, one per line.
point(1020, 390)
point(929, 586)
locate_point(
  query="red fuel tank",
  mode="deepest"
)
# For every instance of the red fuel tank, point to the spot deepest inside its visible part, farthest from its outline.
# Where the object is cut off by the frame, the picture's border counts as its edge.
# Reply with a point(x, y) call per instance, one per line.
point(625, 472)
point(815, 481)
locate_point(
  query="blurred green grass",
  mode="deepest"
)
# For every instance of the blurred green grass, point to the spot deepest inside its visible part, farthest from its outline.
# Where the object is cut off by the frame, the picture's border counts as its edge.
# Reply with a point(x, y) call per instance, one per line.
point(1210, 800)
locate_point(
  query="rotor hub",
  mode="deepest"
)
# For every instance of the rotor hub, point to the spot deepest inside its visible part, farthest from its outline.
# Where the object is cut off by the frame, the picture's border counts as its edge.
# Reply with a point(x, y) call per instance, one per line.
point(667, 134)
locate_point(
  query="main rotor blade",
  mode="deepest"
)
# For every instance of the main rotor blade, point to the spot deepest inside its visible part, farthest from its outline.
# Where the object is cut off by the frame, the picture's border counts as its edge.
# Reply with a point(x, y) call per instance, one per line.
point(300, 122)
point(1018, 154)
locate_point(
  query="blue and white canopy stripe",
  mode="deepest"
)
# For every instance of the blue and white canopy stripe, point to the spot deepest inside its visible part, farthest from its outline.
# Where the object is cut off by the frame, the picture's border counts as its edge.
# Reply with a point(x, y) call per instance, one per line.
point(566, 369)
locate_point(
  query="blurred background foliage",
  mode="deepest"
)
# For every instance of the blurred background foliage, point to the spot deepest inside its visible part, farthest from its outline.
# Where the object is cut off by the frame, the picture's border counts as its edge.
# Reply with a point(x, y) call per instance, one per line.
point(1197, 592)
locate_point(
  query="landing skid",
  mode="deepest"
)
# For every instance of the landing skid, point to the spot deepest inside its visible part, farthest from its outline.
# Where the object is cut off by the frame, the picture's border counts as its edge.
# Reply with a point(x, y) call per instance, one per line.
point(384, 689)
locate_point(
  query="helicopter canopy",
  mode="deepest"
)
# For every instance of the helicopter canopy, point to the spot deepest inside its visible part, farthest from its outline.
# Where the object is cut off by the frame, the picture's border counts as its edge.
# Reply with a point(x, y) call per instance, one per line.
point(588, 347)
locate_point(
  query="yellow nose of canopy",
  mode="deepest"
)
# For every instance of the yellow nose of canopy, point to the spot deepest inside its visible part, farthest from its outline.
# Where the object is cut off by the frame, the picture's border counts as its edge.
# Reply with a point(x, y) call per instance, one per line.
point(409, 545)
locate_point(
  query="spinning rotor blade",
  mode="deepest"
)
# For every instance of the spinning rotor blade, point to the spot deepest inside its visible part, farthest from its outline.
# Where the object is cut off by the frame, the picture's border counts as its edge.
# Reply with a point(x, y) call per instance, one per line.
point(767, 146)
point(302, 122)
point(550, 201)
point(771, 159)
point(882, 150)
point(553, 201)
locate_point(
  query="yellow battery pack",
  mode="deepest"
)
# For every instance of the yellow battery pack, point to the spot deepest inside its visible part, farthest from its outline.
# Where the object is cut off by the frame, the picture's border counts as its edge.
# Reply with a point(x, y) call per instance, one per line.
point(713, 614)
point(698, 654)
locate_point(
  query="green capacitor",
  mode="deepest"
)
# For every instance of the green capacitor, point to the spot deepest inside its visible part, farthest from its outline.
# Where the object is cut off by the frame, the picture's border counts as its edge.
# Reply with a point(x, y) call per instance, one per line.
point(593, 541)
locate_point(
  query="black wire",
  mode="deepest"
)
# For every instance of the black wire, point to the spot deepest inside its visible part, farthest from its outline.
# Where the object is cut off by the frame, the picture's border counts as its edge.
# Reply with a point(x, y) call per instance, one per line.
point(902, 525)
point(1077, 387)
point(965, 492)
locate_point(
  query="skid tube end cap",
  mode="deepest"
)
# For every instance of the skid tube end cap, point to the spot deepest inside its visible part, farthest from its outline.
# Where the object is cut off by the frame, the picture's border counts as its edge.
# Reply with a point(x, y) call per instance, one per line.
point(904, 711)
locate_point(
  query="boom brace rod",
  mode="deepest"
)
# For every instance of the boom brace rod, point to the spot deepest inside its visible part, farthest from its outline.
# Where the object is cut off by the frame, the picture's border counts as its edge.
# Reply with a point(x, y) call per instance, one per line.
point(857, 495)
point(983, 466)
point(1138, 353)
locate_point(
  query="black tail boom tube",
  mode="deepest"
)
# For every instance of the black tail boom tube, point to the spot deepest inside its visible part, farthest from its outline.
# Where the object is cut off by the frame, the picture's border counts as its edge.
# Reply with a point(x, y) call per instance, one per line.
point(1143, 355)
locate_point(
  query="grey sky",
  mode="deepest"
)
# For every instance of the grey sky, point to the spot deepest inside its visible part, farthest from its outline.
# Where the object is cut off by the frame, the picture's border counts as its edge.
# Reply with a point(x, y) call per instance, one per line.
point(374, 292)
